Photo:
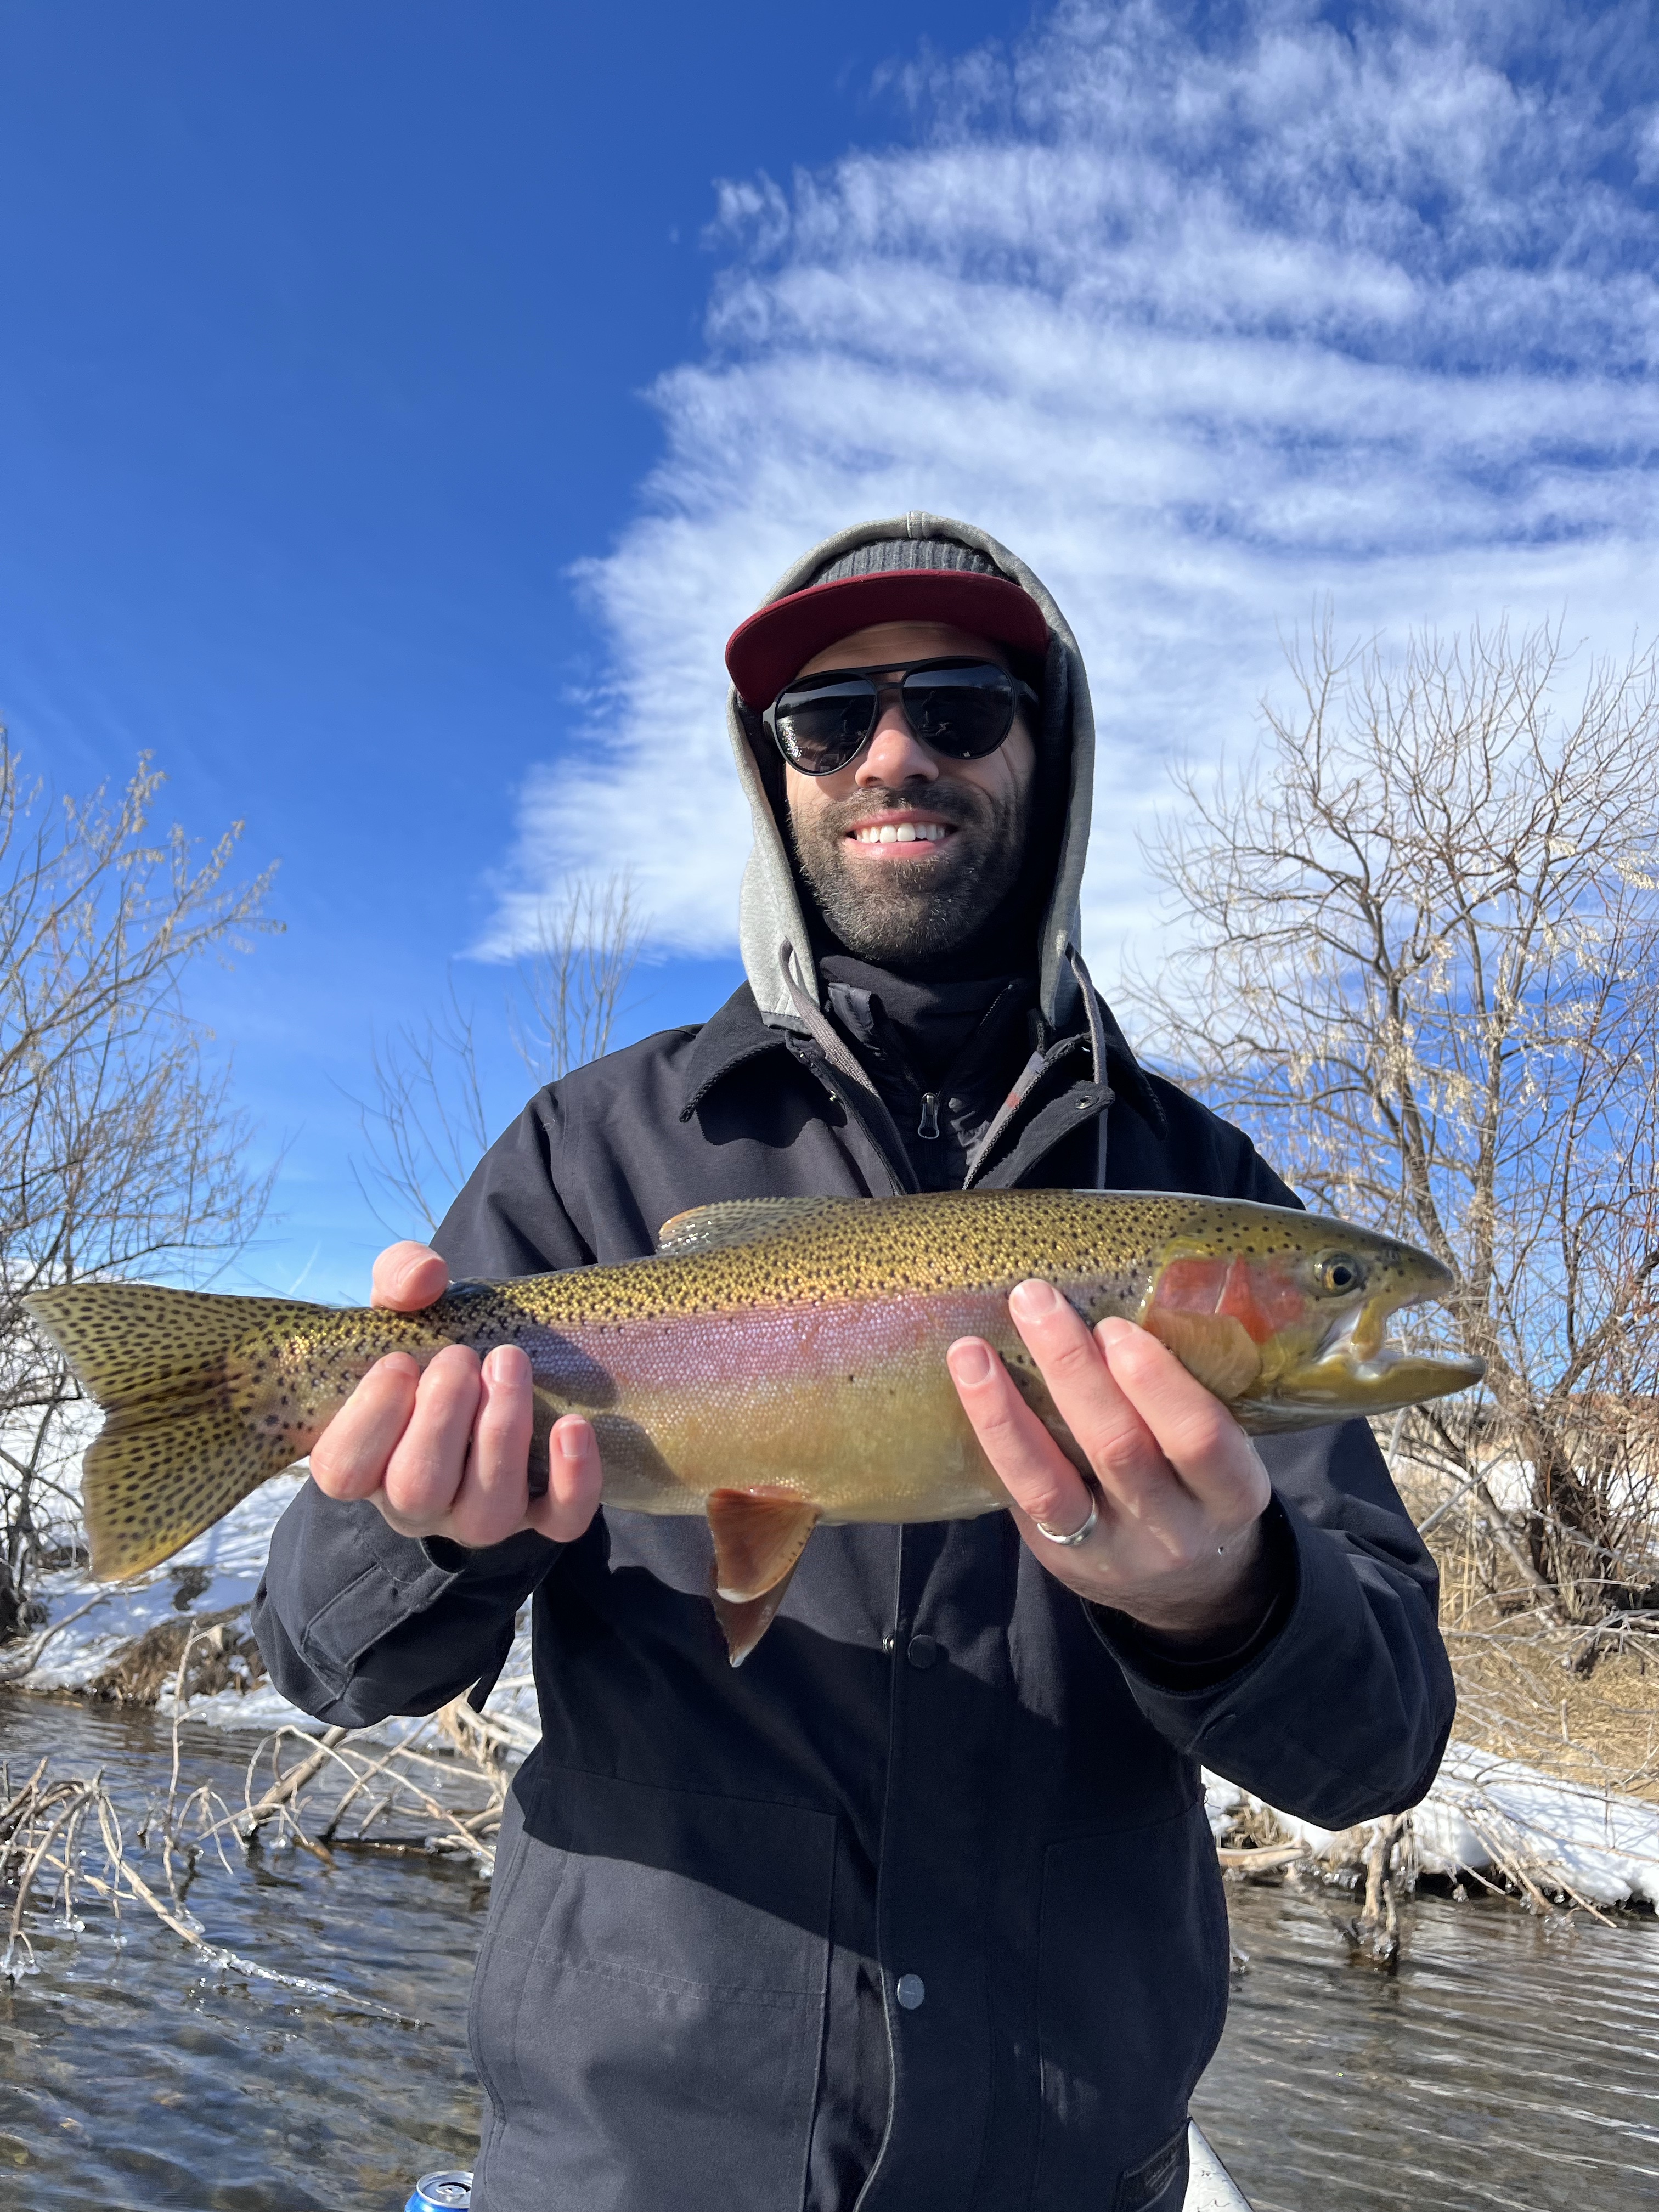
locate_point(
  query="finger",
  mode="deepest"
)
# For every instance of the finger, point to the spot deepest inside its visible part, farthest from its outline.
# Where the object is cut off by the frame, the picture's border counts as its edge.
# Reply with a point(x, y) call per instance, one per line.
point(407, 1276)
point(1037, 1474)
point(424, 1472)
point(574, 1482)
point(349, 1460)
point(494, 1490)
point(1195, 1432)
point(1106, 1425)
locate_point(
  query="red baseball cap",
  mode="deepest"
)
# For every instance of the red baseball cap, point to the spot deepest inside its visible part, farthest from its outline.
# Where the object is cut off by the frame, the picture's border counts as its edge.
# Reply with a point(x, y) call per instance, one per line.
point(893, 580)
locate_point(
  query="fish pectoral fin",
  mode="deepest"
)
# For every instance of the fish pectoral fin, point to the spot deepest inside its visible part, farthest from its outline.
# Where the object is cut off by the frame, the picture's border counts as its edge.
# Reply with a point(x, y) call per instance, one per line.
point(1216, 1349)
point(732, 1221)
point(758, 1537)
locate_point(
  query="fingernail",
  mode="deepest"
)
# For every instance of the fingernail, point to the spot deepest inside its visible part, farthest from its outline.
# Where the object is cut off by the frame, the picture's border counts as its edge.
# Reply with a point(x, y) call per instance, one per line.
point(1113, 1329)
point(970, 1361)
point(1031, 1301)
point(573, 1441)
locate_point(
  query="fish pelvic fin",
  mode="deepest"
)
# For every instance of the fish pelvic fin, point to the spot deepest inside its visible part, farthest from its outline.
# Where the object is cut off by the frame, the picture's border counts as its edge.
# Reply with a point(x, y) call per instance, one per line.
point(743, 1625)
point(189, 1429)
point(759, 1536)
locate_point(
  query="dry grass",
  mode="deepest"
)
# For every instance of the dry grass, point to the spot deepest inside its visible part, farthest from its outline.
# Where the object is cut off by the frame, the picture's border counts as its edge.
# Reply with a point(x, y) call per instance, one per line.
point(1580, 1705)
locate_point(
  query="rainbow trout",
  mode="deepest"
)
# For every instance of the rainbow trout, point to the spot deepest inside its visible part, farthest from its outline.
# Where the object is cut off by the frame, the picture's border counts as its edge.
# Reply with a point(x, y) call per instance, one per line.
point(777, 1362)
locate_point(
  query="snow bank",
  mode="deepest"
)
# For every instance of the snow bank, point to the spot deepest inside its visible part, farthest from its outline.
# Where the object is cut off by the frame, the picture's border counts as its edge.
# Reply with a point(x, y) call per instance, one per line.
point(89, 1626)
point(89, 1623)
point(1485, 1813)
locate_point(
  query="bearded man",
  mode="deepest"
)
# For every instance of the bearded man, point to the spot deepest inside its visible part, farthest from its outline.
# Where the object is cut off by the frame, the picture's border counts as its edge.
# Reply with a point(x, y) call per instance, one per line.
point(919, 1911)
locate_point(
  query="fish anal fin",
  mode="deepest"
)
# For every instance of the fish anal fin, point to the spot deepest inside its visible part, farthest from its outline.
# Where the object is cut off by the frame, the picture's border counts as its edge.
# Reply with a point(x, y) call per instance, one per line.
point(1216, 1349)
point(732, 1221)
point(758, 1535)
point(745, 1622)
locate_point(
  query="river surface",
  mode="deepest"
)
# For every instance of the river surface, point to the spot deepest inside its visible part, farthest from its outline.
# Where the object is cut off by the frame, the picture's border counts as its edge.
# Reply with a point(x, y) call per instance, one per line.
point(1513, 2062)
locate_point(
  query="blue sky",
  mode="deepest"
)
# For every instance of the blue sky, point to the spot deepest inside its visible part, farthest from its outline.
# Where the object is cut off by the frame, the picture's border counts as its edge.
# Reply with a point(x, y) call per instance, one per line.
point(399, 404)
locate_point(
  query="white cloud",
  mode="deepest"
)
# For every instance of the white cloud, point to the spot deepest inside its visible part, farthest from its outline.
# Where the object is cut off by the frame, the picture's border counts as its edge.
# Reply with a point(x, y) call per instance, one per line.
point(1208, 331)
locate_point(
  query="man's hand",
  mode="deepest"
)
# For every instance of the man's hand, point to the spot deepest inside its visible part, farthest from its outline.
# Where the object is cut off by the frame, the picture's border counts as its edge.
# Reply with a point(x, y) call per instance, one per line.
point(1178, 1545)
point(446, 1452)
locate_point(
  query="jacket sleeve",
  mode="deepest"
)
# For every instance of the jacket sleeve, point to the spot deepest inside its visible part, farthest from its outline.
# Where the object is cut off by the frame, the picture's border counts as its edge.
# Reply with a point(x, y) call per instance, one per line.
point(1343, 1712)
point(357, 1622)
point(1341, 1708)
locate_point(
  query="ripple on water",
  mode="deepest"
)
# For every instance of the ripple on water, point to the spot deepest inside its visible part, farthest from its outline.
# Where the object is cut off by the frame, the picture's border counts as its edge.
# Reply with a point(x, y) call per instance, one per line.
point(1511, 2064)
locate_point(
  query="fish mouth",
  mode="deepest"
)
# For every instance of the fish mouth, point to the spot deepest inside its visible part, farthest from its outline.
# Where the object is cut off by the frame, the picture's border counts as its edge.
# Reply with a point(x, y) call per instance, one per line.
point(1354, 1369)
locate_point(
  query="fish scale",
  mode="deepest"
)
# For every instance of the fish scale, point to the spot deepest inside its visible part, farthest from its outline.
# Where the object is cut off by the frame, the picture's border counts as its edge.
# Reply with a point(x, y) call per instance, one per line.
point(778, 1362)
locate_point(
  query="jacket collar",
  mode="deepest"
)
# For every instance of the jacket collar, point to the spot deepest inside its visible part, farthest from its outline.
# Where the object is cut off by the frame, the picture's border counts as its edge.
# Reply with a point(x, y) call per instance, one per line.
point(731, 1035)
point(736, 1033)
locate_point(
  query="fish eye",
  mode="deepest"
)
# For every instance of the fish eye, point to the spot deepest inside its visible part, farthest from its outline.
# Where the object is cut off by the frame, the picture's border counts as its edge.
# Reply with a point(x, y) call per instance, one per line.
point(1339, 1271)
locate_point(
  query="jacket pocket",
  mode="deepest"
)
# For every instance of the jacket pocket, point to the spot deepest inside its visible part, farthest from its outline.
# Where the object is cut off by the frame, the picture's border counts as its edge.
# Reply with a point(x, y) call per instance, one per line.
point(647, 2010)
point(1132, 1995)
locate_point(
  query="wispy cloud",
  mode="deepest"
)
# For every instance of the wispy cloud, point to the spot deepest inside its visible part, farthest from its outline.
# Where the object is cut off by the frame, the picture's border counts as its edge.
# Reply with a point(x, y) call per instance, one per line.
point(1209, 325)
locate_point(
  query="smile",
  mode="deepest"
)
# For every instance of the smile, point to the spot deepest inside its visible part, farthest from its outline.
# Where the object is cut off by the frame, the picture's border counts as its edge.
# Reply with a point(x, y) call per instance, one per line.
point(900, 833)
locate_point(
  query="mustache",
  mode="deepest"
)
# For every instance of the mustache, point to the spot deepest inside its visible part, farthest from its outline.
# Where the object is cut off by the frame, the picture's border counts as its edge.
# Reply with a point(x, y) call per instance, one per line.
point(954, 802)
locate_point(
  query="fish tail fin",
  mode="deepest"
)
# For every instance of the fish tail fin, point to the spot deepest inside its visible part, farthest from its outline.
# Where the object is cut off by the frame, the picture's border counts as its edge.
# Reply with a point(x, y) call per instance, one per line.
point(186, 1435)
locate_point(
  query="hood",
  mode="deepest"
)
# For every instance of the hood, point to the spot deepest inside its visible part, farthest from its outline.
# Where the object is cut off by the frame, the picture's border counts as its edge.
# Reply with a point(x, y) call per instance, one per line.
point(770, 913)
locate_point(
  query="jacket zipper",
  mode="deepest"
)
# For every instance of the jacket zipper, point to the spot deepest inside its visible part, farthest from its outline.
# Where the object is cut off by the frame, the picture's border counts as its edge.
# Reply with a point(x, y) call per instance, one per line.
point(928, 1125)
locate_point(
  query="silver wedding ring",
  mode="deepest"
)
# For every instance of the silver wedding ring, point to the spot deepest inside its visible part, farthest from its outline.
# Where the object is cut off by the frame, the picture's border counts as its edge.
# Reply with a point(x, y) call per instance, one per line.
point(1077, 1535)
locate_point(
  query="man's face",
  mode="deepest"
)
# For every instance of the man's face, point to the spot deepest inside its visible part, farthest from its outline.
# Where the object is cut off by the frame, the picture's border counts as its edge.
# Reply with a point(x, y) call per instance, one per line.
point(894, 901)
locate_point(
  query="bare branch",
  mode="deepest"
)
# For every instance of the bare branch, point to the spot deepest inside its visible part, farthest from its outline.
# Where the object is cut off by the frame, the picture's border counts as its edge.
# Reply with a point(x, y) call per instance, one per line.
point(1422, 966)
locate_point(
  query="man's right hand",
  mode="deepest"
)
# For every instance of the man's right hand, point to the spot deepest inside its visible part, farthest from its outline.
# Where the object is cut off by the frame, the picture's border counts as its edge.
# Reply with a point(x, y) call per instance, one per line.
point(445, 1451)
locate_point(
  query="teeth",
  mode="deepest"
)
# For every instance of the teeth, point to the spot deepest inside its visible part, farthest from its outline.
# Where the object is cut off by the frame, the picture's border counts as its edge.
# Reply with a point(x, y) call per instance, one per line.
point(901, 833)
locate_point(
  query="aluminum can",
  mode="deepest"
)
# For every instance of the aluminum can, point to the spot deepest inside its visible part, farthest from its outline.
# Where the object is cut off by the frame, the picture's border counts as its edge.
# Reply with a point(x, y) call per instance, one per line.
point(441, 2192)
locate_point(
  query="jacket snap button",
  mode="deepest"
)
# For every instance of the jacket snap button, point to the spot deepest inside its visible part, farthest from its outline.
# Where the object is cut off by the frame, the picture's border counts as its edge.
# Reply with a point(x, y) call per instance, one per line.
point(923, 1650)
point(910, 1991)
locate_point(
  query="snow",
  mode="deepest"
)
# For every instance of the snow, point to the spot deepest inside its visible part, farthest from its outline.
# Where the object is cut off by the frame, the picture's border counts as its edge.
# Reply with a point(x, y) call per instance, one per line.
point(88, 1623)
point(1483, 1812)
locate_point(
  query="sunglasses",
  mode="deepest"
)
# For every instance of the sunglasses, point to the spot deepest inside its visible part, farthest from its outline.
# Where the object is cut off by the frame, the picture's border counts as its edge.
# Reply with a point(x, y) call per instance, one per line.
point(960, 709)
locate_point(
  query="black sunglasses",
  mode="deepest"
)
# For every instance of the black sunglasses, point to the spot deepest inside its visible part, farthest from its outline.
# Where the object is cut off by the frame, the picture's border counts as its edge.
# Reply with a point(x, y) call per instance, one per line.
point(960, 709)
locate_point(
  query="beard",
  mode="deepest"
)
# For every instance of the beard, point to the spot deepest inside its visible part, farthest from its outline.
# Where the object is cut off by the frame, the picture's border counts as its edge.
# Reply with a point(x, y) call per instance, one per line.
point(905, 914)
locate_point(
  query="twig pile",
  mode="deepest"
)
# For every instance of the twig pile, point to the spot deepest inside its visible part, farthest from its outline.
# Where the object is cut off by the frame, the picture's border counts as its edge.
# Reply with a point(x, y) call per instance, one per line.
point(440, 1790)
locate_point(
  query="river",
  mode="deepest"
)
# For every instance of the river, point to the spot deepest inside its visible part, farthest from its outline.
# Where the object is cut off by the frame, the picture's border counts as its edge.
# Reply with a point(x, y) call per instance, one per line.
point(1513, 2062)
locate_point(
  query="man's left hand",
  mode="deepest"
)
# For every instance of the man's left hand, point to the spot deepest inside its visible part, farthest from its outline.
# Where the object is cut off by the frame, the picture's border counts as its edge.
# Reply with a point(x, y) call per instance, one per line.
point(1178, 1543)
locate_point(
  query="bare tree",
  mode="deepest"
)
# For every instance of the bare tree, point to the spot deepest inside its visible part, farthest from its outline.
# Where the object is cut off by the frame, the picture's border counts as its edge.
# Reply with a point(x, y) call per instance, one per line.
point(1423, 965)
point(428, 1122)
point(120, 1152)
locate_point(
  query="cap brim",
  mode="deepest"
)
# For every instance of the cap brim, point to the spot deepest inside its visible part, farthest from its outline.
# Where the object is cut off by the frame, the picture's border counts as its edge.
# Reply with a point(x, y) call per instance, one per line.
point(764, 652)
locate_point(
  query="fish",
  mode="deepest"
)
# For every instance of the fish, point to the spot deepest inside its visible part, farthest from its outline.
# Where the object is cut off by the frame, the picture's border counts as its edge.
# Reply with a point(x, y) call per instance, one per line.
point(777, 1364)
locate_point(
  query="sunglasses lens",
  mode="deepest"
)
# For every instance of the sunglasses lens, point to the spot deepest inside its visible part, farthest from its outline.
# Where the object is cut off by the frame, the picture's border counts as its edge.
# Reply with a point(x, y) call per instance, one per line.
point(964, 713)
point(821, 726)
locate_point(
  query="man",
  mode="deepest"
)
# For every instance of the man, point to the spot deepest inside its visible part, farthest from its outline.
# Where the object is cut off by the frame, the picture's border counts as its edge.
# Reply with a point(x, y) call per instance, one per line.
point(920, 1910)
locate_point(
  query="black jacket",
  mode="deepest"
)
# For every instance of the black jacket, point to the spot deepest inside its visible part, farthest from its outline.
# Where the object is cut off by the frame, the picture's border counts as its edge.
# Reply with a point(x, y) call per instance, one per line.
point(938, 1764)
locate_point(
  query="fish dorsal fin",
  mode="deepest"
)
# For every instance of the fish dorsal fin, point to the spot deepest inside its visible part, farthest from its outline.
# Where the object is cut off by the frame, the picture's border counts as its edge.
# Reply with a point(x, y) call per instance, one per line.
point(759, 1536)
point(732, 1221)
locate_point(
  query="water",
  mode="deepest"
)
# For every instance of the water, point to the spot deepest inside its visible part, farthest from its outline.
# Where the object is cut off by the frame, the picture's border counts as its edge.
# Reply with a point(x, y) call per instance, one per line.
point(1510, 2064)
point(141, 2076)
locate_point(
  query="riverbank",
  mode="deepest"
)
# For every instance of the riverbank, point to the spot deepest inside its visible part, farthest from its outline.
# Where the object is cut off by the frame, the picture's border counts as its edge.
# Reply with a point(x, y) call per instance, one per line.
point(1551, 1828)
